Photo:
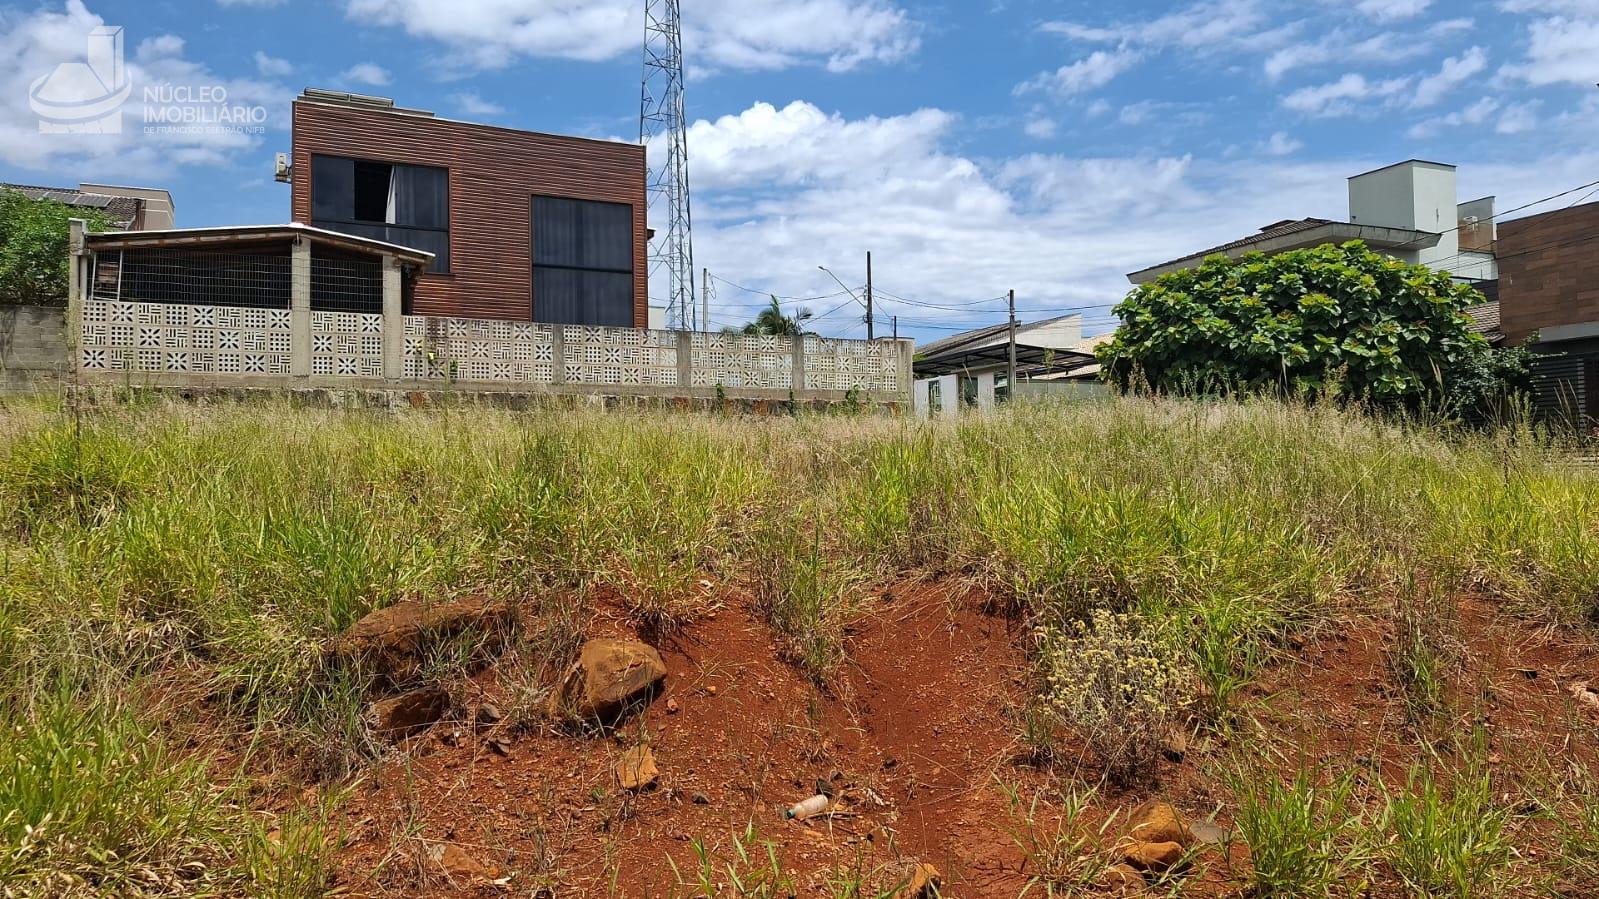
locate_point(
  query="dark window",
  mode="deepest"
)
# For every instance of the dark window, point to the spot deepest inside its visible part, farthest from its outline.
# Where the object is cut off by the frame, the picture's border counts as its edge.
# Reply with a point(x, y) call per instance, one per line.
point(582, 262)
point(407, 205)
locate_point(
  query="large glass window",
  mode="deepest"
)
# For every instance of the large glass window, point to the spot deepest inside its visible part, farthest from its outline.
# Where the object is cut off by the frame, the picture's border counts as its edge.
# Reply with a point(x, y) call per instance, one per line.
point(582, 262)
point(407, 205)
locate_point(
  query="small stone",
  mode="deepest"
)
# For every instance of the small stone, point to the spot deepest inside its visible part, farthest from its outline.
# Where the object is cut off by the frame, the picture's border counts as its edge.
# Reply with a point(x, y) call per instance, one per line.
point(1123, 877)
point(610, 677)
point(1208, 832)
point(391, 641)
point(1585, 697)
point(500, 745)
point(710, 690)
point(1158, 822)
point(1176, 747)
point(636, 769)
point(453, 862)
point(1158, 858)
point(671, 706)
point(488, 713)
point(409, 712)
point(925, 883)
point(701, 799)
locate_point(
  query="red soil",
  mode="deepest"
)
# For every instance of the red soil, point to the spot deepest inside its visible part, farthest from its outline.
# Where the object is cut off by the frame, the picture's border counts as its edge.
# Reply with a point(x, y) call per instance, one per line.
point(916, 738)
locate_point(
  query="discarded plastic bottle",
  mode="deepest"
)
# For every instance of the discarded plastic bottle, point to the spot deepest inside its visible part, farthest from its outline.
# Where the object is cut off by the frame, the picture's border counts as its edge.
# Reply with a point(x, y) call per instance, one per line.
point(809, 808)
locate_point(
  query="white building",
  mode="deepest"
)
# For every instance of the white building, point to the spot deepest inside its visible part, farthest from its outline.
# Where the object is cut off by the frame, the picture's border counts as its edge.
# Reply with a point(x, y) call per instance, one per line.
point(970, 371)
point(1407, 210)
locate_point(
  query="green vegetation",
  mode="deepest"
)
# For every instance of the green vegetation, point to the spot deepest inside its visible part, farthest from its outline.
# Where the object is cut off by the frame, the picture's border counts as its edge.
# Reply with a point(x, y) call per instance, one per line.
point(1344, 321)
point(33, 248)
point(1302, 834)
point(152, 555)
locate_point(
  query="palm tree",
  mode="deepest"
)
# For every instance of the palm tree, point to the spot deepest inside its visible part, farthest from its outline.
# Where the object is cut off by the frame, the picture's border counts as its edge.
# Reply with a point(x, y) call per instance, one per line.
point(772, 322)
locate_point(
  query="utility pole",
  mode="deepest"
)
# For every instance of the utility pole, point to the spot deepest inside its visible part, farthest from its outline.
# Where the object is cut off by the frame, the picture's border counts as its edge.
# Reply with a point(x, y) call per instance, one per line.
point(869, 334)
point(662, 118)
point(1010, 374)
point(705, 299)
point(896, 327)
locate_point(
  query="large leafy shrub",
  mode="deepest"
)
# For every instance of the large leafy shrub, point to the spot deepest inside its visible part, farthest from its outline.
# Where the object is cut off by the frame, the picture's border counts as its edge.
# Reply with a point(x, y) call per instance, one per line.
point(1326, 319)
point(33, 248)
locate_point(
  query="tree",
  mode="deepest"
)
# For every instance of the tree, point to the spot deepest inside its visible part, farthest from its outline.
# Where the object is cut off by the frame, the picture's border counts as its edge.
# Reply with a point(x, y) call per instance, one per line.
point(33, 248)
point(1330, 319)
point(771, 321)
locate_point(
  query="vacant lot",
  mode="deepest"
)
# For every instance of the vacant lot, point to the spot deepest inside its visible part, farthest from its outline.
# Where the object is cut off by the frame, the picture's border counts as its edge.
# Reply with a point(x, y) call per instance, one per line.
point(1353, 655)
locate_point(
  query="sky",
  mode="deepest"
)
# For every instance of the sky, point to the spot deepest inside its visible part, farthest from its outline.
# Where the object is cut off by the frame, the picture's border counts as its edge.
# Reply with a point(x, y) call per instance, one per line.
point(973, 147)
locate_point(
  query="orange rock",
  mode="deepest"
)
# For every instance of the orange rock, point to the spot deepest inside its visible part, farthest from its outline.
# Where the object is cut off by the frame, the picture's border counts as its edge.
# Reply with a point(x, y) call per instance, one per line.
point(1123, 877)
point(1158, 822)
point(925, 883)
point(636, 769)
point(1157, 858)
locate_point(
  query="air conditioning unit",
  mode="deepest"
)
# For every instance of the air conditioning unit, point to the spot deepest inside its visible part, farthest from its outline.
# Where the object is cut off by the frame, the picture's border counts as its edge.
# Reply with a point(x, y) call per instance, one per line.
point(285, 171)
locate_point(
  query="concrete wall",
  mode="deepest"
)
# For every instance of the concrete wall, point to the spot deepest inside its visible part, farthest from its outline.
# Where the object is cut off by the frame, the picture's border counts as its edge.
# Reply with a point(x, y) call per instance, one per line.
point(33, 347)
point(1416, 195)
point(1548, 271)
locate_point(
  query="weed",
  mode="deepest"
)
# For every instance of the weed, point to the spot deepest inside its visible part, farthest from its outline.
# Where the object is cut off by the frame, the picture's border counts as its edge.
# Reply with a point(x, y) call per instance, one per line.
point(750, 869)
point(1447, 844)
point(1303, 834)
point(1066, 855)
point(1426, 649)
point(1117, 684)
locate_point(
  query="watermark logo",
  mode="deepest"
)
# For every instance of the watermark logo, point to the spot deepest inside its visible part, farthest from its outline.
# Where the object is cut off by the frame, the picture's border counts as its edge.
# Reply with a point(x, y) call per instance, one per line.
point(85, 97)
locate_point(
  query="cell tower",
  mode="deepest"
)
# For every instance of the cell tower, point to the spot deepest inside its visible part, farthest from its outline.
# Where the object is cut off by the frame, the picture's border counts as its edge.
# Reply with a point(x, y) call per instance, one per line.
point(661, 121)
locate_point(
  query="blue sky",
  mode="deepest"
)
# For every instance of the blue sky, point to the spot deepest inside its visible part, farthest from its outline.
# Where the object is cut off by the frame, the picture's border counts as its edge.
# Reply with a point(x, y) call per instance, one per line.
point(1046, 147)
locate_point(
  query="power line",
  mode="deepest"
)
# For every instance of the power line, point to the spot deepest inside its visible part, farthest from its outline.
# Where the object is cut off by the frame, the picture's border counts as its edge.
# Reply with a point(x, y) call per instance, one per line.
point(770, 293)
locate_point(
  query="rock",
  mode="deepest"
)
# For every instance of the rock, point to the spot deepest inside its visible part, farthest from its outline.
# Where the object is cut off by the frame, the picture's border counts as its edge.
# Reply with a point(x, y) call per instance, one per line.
point(453, 862)
point(390, 642)
point(925, 883)
point(1176, 746)
point(701, 799)
point(636, 769)
point(1158, 822)
point(409, 712)
point(1585, 696)
point(671, 707)
point(488, 714)
point(1122, 877)
point(1208, 832)
point(1157, 858)
point(609, 677)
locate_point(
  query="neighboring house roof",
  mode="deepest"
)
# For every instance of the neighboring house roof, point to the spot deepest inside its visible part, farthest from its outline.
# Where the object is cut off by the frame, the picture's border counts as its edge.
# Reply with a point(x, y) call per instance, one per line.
point(1293, 234)
point(1485, 320)
point(1039, 348)
point(244, 234)
point(122, 211)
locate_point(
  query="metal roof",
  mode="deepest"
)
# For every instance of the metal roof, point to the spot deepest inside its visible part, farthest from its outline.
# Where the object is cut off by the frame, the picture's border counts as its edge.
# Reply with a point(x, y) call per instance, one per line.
point(989, 347)
point(252, 233)
point(122, 211)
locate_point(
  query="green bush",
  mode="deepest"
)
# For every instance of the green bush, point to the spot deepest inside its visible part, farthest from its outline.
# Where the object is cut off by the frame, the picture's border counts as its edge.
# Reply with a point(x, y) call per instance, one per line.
point(33, 248)
point(1342, 320)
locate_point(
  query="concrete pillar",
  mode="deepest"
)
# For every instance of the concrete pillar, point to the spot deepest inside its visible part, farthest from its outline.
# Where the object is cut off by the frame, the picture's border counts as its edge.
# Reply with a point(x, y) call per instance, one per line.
point(685, 360)
point(985, 391)
point(393, 321)
point(907, 365)
point(557, 354)
point(78, 284)
point(950, 395)
point(300, 308)
point(799, 363)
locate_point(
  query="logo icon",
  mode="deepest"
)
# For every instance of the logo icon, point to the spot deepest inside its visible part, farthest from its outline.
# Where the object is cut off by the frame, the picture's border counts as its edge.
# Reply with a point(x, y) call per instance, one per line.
point(85, 97)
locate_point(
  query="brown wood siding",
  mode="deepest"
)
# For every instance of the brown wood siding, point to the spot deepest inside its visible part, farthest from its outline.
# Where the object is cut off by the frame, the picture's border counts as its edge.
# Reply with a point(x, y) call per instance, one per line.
point(1548, 270)
point(494, 175)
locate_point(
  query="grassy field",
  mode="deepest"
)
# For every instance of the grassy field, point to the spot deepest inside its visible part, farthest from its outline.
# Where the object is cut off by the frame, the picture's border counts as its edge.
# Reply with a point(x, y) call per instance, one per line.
point(169, 575)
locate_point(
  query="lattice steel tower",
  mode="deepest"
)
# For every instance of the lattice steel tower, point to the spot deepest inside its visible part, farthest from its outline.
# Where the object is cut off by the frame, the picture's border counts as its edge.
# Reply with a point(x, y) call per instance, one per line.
point(661, 120)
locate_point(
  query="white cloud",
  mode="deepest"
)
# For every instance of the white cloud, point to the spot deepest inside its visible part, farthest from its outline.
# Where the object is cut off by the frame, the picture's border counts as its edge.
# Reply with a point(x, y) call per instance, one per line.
point(1518, 119)
point(474, 105)
point(271, 66)
point(1392, 10)
point(1093, 71)
point(1339, 97)
point(368, 73)
point(1206, 26)
point(32, 45)
point(252, 2)
point(718, 34)
point(1453, 72)
point(1041, 128)
point(1561, 50)
point(1341, 46)
point(1475, 114)
point(1281, 144)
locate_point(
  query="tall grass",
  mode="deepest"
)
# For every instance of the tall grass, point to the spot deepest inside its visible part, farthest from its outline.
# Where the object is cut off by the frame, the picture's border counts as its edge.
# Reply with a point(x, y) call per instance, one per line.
point(228, 544)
